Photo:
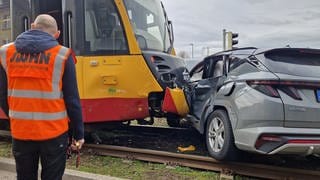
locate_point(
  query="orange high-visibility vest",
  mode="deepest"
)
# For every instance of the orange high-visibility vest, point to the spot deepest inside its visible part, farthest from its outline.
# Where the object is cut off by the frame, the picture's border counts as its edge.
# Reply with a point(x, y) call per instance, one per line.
point(36, 107)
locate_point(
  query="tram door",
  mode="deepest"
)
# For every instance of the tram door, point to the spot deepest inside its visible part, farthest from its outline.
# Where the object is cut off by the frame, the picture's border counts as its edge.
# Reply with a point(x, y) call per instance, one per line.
point(20, 16)
point(24, 12)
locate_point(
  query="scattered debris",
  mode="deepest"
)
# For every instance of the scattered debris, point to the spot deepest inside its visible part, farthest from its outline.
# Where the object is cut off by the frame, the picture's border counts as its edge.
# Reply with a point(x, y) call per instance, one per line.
point(185, 149)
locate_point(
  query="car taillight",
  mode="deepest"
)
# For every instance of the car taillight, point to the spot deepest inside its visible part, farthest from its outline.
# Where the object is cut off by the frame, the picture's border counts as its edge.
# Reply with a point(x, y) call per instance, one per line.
point(266, 87)
point(271, 88)
point(268, 140)
point(291, 91)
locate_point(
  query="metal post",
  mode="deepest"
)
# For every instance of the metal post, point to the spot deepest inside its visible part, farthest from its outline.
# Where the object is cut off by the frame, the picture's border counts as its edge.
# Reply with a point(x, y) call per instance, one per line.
point(191, 44)
point(224, 38)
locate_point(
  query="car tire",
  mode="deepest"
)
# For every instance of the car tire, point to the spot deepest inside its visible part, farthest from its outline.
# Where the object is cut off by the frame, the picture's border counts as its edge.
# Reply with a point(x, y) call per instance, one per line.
point(219, 137)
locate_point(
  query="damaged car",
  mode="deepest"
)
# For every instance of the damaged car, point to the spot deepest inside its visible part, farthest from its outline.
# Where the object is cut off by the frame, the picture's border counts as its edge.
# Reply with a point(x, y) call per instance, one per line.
point(263, 101)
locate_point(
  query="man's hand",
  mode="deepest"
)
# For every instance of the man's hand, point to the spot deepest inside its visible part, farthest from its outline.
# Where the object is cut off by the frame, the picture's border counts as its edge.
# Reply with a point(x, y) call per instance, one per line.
point(77, 145)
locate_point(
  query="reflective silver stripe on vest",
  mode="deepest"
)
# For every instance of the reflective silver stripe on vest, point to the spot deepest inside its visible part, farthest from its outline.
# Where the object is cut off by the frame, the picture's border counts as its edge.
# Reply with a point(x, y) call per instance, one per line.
point(37, 115)
point(57, 72)
point(3, 55)
point(35, 94)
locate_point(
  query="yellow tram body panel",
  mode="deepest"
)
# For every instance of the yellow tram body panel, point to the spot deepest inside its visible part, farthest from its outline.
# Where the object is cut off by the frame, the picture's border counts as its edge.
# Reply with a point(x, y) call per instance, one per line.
point(105, 77)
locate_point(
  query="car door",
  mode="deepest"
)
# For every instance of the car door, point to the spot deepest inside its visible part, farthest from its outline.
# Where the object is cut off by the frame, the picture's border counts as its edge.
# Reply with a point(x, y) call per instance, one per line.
point(204, 89)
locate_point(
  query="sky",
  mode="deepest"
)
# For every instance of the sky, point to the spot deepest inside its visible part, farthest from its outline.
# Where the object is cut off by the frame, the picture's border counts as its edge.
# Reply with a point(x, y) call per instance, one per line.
point(259, 23)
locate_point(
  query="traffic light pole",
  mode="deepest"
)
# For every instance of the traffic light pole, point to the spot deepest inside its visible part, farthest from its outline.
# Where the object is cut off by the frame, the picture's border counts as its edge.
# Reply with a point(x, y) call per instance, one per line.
point(224, 32)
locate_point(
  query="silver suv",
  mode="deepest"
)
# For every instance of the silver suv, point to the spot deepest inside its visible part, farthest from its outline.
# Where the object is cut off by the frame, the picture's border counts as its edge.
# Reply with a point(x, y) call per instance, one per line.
point(264, 101)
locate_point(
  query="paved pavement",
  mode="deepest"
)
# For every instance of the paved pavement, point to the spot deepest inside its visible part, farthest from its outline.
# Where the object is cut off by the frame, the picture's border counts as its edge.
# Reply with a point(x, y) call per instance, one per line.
point(7, 172)
point(6, 175)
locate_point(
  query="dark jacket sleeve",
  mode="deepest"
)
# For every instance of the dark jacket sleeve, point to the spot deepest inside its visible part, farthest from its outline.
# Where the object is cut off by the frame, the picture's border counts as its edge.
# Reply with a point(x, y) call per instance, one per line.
point(72, 100)
point(3, 91)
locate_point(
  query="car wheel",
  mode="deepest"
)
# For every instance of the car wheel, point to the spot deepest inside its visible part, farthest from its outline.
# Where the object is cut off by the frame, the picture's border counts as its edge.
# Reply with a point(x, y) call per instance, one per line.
point(219, 136)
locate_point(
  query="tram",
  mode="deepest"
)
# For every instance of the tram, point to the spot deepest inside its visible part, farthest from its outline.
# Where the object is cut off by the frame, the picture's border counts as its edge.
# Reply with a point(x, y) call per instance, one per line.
point(126, 64)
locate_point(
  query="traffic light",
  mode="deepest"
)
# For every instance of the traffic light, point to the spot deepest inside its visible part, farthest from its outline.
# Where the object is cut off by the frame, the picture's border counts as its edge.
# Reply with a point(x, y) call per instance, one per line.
point(231, 40)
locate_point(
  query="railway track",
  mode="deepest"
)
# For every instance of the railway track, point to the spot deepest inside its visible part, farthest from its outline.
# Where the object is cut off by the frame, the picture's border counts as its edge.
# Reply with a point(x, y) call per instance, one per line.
point(155, 138)
point(205, 163)
point(228, 169)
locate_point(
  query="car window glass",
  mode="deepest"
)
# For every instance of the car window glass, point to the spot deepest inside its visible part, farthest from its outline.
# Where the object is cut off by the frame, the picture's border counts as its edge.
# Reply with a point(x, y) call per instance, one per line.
point(217, 69)
point(197, 74)
point(207, 69)
point(235, 62)
point(298, 62)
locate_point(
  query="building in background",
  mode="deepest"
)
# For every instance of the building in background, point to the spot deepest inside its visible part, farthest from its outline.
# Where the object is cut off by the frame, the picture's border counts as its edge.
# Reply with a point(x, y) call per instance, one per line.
point(5, 22)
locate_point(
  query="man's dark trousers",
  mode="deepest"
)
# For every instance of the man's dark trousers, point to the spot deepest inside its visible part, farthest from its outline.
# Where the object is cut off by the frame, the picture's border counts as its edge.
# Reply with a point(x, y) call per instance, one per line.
point(52, 154)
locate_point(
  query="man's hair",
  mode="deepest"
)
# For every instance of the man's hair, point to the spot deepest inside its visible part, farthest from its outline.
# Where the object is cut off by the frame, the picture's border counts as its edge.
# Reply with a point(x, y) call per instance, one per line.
point(46, 23)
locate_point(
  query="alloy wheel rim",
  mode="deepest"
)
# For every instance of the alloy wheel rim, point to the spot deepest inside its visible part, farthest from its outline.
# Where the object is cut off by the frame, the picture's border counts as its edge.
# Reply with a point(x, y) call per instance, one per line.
point(216, 134)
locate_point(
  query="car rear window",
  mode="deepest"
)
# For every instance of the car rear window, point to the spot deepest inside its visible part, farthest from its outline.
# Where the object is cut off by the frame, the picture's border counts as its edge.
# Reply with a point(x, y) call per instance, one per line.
point(298, 62)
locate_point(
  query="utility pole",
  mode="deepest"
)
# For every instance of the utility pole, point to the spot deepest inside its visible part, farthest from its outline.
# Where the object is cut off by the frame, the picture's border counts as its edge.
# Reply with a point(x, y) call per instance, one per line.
point(191, 44)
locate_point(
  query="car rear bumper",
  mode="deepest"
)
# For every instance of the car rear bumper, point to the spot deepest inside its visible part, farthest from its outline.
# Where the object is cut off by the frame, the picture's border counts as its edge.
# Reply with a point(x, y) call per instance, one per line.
point(279, 140)
point(303, 149)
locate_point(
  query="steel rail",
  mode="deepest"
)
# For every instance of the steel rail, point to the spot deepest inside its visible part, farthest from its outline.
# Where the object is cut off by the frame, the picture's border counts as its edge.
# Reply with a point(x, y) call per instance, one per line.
point(205, 163)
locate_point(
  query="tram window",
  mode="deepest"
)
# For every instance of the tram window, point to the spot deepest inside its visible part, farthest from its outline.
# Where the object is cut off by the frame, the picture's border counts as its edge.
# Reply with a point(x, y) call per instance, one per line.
point(103, 29)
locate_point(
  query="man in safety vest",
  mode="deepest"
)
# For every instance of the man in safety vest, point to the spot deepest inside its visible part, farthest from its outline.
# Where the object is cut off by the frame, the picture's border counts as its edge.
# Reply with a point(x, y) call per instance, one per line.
point(38, 77)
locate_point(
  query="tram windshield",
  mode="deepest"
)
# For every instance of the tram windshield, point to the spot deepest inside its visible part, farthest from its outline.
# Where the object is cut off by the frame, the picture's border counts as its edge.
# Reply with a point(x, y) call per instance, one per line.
point(149, 23)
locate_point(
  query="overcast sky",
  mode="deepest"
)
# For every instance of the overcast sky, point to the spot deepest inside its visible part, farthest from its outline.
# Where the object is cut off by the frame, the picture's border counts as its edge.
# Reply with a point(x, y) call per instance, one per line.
point(260, 23)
